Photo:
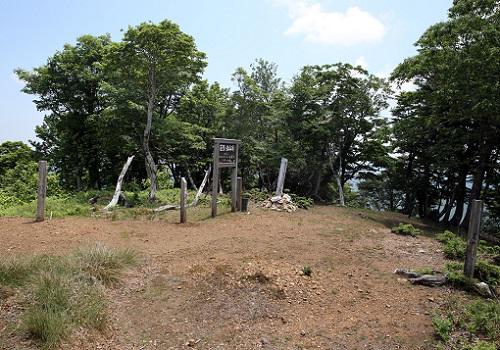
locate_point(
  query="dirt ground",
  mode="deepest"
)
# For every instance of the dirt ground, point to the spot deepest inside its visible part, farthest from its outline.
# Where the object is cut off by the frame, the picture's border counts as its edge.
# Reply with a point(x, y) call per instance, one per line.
point(236, 282)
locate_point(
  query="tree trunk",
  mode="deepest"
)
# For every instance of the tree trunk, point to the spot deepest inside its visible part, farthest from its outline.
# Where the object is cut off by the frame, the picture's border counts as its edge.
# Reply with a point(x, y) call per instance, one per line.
point(151, 168)
point(340, 183)
point(477, 185)
point(408, 208)
point(191, 180)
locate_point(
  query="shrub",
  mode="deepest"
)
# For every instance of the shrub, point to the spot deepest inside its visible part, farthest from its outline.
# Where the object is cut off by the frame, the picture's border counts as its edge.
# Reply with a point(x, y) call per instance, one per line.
point(307, 270)
point(405, 230)
point(442, 327)
point(455, 249)
point(487, 272)
point(445, 236)
point(483, 317)
point(464, 324)
point(302, 202)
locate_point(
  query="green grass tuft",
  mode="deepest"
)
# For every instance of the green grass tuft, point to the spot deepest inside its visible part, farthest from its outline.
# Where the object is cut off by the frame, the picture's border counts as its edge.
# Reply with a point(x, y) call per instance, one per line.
point(104, 264)
point(65, 292)
point(405, 230)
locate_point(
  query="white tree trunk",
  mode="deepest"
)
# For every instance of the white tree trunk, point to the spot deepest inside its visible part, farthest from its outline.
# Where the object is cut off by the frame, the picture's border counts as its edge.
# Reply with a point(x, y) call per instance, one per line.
point(118, 189)
point(151, 168)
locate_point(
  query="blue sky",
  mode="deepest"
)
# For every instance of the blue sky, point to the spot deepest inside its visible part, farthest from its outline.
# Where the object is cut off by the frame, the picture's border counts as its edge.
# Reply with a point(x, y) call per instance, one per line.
point(292, 33)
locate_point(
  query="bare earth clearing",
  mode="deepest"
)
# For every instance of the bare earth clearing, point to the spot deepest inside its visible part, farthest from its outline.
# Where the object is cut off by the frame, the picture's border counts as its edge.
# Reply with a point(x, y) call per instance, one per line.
point(236, 283)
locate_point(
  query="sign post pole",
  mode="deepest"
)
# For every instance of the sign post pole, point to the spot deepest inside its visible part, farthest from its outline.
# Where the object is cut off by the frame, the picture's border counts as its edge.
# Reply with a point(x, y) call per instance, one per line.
point(225, 156)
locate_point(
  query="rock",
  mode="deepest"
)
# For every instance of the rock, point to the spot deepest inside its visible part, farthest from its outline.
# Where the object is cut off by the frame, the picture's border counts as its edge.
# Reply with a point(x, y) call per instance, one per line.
point(429, 280)
point(407, 273)
point(483, 289)
point(264, 341)
point(275, 199)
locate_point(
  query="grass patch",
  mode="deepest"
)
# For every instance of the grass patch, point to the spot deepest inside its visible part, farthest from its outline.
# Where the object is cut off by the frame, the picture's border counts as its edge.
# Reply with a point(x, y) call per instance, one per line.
point(405, 230)
point(63, 293)
point(472, 326)
point(103, 264)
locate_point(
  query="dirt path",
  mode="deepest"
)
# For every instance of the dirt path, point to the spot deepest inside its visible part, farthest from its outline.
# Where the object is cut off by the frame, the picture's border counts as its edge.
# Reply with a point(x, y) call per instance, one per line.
point(236, 282)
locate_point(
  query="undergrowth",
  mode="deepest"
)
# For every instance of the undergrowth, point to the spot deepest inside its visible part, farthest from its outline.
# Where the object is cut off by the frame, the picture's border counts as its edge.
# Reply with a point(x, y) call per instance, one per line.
point(472, 326)
point(63, 293)
point(405, 230)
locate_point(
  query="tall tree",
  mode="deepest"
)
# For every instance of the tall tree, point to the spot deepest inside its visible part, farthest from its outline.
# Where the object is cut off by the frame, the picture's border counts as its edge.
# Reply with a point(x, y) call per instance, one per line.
point(151, 69)
point(68, 88)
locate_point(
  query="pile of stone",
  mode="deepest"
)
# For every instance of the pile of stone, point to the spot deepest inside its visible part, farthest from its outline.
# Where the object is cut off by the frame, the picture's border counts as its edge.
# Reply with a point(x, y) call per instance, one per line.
point(280, 203)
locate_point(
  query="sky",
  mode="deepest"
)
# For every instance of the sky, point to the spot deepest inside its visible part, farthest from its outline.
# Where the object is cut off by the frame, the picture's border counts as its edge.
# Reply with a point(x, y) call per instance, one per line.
point(377, 34)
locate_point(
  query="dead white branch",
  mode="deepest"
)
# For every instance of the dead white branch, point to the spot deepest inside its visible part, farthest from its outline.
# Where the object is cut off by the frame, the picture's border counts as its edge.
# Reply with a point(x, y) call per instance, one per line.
point(118, 189)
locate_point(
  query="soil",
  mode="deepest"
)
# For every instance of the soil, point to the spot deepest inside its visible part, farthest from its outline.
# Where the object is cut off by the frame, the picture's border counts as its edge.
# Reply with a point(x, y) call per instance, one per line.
point(237, 281)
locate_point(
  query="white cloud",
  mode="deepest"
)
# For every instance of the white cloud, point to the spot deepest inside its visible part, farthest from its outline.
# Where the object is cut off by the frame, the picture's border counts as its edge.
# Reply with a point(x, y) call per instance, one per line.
point(361, 61)
point(354, 26)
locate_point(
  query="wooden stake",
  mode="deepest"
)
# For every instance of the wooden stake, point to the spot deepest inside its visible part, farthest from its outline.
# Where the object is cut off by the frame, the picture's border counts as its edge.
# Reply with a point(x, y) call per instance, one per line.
point(473, 237)
point(215, 180)
point(42, 190)
point(183, 199)
point(239, 192)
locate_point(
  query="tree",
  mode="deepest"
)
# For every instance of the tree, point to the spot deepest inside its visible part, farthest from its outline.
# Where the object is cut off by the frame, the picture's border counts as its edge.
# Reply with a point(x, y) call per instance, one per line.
point(151, 69)
point(68, 87)
point(336, 116)
point(450, 126)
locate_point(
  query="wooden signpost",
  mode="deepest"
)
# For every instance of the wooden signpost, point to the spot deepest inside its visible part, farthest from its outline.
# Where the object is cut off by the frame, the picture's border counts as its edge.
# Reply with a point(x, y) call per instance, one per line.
point(225, 156)
point(473, 237)
point(42, 190)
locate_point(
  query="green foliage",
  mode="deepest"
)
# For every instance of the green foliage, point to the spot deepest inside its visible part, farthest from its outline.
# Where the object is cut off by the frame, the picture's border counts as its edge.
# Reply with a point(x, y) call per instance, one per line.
point(256, 195)
point(442, 327)
point(482, 317)
point(307, 270)
point(455, 249)
point(445, 236)
point(301, 201)
point(487, 272)
point(469, 326)
point(64, 292)
point(405, 230)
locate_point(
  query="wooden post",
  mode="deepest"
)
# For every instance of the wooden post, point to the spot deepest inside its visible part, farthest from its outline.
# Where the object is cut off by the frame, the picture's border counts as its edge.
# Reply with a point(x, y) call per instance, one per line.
point(239, 182)
point(473, 237)
point(183, 199)
point(234, 190)
point(281, 177)
point(215, 180)
point(42, 190)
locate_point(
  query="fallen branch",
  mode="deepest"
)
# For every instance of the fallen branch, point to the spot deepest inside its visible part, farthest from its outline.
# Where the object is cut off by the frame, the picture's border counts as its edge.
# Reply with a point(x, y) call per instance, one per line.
point(118, 189)
point(166, 207)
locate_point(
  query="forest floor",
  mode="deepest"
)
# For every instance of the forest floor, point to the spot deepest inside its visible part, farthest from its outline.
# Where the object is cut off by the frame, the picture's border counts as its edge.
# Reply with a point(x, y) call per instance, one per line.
point(237, 281)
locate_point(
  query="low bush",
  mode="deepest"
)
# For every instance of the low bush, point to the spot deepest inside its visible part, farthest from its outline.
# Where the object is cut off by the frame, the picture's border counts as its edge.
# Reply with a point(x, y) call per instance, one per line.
point(405, 230)
point(454, 249)
point(442, 327)
point(472, 326)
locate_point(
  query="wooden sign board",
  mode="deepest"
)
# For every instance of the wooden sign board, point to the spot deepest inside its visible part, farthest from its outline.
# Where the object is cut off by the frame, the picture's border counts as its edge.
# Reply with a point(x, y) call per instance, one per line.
point(225, 156)
point(228, 153)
